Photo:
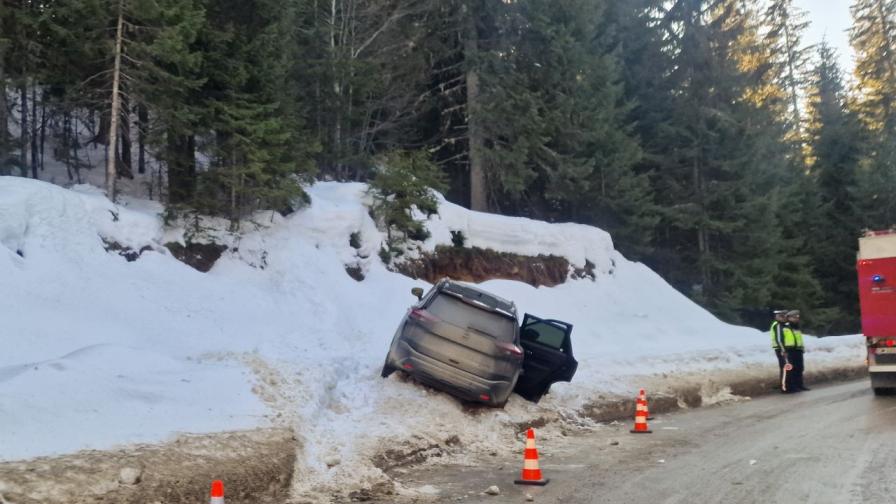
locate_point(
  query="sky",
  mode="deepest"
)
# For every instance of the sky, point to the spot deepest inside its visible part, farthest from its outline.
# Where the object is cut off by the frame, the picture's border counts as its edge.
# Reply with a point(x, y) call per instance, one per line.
point(830, 20)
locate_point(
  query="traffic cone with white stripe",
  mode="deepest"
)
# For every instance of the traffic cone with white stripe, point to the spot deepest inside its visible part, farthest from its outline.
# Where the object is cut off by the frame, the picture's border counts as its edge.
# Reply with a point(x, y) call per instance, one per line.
point(217, 496)
point(640, 418)
point(642, 396)
point(531, 474)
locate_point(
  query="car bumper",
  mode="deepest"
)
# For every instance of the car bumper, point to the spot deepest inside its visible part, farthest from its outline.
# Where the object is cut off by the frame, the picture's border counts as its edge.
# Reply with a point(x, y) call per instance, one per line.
point(446, 377)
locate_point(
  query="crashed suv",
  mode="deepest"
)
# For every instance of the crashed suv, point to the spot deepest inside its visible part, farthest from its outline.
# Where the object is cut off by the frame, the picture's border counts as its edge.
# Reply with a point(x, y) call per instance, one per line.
point(467, 342)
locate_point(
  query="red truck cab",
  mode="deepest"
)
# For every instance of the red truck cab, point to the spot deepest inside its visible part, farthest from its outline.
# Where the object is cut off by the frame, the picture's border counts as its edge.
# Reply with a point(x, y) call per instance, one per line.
point(876, 266)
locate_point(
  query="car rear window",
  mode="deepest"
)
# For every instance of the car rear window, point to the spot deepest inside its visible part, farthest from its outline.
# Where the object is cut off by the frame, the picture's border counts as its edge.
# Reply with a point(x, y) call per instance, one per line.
point(455, 311)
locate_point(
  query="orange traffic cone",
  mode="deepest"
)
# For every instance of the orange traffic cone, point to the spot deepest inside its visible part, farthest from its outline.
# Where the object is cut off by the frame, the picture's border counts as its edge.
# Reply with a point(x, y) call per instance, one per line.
point(217, 492)
point(642, 396)
point(641, 418)
point(531, 473)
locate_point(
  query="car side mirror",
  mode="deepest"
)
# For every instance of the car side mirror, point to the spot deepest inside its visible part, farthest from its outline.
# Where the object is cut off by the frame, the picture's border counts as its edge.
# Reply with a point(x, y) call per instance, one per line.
point(417, 291)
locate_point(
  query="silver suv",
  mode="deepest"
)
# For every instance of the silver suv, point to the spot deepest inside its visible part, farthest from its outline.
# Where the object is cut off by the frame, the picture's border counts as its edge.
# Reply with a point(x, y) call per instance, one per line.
point(466, 341)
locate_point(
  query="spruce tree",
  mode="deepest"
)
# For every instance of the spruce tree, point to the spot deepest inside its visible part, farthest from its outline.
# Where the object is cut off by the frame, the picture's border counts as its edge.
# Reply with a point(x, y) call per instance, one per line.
point(718, 154)
point(835, 150)
point(785, 26)
point(873, 38)
point(259, 157)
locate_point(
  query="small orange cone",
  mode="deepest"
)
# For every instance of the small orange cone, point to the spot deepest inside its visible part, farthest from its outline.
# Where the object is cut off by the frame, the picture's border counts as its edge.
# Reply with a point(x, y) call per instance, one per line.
point(531, 473)
point(217, 496)
point(641, 418)
point(642, 396)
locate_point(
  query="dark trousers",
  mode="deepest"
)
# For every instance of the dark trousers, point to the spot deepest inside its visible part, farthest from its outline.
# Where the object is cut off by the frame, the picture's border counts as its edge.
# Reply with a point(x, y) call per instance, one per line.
point(794, 382)
point(780, 357)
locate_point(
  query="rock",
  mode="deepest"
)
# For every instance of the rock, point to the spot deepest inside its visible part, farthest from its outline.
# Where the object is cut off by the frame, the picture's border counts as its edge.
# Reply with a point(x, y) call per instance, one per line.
point(332, 461)
point(493, 490)
point(130, 475)
point(529, 498)
point(614, 443)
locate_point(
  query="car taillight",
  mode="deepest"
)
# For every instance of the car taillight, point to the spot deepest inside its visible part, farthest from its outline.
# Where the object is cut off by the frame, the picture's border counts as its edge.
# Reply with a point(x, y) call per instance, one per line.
point(408, 365)
point(484, 397)
point(891, 342)
point(510, 349)
point(421, 314)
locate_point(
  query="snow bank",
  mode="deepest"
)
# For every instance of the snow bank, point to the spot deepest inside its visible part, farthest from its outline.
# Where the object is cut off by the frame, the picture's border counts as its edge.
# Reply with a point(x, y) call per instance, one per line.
point(99, 351)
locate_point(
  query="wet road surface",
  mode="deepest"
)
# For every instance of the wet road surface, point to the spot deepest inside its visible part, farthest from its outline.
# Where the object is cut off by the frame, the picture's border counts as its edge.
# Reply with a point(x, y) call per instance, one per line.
point(833, 444)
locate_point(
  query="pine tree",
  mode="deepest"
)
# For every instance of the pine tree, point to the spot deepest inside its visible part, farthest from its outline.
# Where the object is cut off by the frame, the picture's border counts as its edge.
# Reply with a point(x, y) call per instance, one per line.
point(717, 157)
point(786, 24)
point(558, 141)
point(873, 38)
point(258, 156)
point(835, 146)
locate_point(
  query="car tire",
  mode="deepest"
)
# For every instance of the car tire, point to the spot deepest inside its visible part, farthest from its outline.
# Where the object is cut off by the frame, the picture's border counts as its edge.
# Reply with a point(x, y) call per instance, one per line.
point(388, 369)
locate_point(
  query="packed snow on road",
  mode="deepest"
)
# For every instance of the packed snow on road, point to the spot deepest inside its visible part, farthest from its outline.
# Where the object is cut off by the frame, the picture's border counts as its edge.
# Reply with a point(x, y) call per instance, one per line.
point(100, 352)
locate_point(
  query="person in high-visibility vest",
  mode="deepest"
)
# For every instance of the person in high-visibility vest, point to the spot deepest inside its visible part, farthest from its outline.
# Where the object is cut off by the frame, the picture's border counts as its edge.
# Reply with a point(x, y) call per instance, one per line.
point(777, 338)
point(792, 342)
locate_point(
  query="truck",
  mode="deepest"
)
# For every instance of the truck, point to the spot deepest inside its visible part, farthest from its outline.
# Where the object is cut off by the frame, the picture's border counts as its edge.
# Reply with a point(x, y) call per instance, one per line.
point(876, 268)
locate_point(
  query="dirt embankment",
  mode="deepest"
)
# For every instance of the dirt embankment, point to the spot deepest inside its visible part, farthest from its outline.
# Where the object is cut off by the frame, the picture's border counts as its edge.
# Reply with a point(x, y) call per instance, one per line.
point(473, 264)
point(256, 467)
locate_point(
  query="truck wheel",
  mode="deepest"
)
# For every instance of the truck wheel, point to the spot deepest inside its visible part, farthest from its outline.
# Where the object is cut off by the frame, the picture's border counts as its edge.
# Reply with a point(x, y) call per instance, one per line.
point(388, 369)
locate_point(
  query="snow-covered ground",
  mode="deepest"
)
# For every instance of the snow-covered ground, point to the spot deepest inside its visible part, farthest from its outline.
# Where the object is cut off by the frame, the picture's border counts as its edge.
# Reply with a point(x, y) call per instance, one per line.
point(99, 352)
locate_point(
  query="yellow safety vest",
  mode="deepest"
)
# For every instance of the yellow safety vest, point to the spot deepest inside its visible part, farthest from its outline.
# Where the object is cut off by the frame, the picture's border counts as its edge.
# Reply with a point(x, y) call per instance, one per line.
point(792, 338)
point(775, 332)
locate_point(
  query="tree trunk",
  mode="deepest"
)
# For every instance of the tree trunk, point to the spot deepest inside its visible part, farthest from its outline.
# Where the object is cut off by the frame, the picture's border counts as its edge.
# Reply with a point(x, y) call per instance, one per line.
point(478, 188)
point(4, 127)
point(142, 124)
point(23, 131)
point(43, 131)
point(181, 167)
point(34, 138)
point(702, 235)
point(66, 143)
point(126, 168)
point(116, 104)
point(792, 84)
point(75, 156)
point(337, 97)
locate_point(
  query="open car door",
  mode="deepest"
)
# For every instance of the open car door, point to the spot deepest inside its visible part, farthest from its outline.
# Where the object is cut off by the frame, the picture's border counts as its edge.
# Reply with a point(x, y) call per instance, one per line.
point(547, 350)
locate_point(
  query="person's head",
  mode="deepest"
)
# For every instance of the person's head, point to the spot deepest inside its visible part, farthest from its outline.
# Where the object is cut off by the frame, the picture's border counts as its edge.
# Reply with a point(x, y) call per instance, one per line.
point(781, 315)
point(793, 316)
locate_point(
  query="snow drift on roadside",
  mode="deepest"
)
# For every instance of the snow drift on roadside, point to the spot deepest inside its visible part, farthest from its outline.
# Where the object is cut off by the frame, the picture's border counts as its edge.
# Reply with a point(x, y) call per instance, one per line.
point(99, 351)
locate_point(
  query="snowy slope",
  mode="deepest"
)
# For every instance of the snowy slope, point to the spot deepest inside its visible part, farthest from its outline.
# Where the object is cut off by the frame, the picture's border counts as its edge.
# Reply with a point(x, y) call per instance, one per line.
point(99, 351)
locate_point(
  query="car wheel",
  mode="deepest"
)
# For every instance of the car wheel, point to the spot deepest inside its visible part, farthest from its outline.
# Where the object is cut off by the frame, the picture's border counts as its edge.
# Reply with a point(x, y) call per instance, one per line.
point(388, 369)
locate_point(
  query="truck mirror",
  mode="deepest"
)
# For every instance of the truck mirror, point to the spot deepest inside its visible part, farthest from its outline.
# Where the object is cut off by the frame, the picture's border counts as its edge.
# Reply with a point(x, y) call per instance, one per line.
point(417, 291)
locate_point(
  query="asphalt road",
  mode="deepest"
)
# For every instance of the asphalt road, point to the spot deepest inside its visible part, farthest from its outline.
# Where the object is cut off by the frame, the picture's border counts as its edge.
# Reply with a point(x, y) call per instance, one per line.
point(833, 444)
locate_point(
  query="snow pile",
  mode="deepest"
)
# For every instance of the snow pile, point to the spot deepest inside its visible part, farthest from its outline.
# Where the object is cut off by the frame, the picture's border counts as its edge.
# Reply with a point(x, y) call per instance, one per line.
point(99, 351)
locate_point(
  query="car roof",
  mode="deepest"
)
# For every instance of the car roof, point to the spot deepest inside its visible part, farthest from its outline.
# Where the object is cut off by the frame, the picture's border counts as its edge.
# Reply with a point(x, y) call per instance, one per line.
point(479, 296)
